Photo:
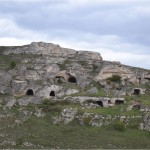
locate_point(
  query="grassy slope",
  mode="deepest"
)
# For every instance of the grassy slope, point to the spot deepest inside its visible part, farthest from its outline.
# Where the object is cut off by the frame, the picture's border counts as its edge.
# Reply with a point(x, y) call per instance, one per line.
point(69, 136)
point(41, 131)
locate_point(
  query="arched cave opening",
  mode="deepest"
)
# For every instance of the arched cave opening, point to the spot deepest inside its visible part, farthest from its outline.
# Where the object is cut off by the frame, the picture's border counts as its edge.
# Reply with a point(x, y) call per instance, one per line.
point(109, 102)
point(30, 92)
point(100, 103)
point(119, 102)
point(72, 79)
point(136, 92)
point(52, 93)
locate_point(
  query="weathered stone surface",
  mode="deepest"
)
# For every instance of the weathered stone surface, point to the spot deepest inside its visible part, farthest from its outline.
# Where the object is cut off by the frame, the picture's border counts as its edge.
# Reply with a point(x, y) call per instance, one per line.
point(146, 124)
point(106, 102)
point(145, 109)
point(98, 120)
point(110, 70)
point(10, 102)
point(45, 91)
point(71, 91)
point(89, 55)
point(92, 90)
point(19, 86)
point(38, 113)
point(67, 115)
point(46, 67)
point(24, 101)
point(32, 75)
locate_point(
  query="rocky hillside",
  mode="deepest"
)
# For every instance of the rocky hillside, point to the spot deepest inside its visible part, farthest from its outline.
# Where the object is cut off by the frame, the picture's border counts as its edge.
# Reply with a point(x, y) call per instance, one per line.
point(71, 85)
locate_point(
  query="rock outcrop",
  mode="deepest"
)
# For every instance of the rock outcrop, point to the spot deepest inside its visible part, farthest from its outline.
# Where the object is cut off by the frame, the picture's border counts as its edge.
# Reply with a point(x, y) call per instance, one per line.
point(45, 67)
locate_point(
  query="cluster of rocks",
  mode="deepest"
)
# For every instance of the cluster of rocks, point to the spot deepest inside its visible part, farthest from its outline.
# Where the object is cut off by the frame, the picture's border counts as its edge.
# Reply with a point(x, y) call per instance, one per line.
point(97, 120)
point(66, 116)
point(145, 125)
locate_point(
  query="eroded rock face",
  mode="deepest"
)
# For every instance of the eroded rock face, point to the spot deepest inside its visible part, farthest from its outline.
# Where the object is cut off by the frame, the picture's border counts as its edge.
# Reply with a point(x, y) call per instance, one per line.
point(11, 102)
point(67, 115)
point(89, 55)
point(46, 67)
point(108, 71)
point(52, 50)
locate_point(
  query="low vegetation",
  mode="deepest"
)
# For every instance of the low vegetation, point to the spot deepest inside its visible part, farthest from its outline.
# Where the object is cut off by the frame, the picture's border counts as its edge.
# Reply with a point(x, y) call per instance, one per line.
point(42, 133)
point(120, 126)
point(114, 78)
point(12, 64)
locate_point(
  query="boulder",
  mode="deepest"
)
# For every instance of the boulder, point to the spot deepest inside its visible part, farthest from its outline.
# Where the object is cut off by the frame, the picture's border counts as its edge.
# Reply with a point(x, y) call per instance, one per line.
point(11, 102)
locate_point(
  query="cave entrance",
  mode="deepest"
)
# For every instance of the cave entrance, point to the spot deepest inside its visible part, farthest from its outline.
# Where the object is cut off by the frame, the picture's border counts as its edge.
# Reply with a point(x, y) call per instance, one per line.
point(30, 92)
point(72, 79)
point(147, 78)
point(52, 93)
point(119, 102)
point(100, 103)
point(109, 102)
point(136, 92)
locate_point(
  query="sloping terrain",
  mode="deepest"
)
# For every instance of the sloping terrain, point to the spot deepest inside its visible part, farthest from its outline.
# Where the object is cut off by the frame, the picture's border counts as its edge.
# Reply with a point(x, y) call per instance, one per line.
point(54, 97)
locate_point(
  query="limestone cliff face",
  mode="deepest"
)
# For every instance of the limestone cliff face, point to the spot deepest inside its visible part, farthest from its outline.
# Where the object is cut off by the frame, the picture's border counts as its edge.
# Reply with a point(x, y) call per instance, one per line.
point(50, 49)
point(41, 65)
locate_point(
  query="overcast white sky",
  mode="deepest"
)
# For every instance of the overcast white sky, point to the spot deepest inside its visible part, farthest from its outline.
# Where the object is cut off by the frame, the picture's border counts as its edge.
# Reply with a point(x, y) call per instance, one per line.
point(118, 29)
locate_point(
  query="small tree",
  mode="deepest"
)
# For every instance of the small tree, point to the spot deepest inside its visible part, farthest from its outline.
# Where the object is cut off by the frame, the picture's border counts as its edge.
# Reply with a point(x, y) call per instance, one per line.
point(13, 64)
point(120, 126)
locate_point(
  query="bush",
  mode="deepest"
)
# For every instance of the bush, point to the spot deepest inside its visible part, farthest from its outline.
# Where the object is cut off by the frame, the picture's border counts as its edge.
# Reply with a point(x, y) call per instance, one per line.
point(13, 64)
point(114, 78)
point(134, 124)
point(120, 126)
point(48, 106)
point(87, 120)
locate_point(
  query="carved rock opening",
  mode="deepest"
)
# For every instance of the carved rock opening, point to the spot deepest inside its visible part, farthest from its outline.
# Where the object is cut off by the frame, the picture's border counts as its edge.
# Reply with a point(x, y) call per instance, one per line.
point(52, 93)
point(100, 103)
point(119, 102)
point(137, 92)
point(30, 92)
point(72, 79)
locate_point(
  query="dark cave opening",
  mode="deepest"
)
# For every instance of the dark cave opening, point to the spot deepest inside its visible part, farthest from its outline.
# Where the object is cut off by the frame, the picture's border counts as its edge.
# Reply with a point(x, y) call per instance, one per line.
point(136, 92)
point(109, 102)
point(52, 93)
point(72, 79)
point(119, 102)
point(100, 103)
point(30, 92)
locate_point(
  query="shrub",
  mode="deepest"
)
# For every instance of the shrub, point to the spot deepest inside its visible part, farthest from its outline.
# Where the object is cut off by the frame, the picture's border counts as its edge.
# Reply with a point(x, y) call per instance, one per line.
point(120, 126)
point(87, 120)
point(13, 64)
point(134, 124)
point(48, 106)
point(114, 78)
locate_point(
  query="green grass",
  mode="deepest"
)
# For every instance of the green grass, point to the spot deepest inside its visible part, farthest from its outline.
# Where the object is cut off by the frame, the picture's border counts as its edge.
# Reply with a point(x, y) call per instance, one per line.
point(40, 131)
point(143, 99)
point(115, 110)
